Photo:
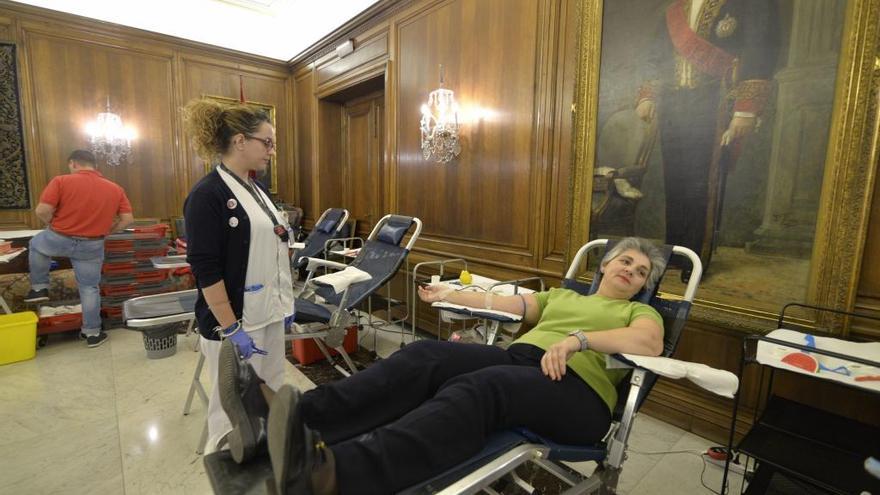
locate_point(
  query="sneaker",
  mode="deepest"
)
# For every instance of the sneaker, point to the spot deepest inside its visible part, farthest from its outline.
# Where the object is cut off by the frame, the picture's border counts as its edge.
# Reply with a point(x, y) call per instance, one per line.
point(244, 401)
point(37, 295)
point(96, 340)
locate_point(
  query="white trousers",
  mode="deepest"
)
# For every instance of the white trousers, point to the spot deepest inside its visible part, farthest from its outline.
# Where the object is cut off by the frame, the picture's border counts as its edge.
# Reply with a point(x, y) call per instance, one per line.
point(269, 367)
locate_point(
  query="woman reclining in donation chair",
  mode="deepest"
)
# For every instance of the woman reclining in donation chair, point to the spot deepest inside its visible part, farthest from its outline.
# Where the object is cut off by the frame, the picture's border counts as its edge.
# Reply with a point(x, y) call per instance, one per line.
point(434, 404)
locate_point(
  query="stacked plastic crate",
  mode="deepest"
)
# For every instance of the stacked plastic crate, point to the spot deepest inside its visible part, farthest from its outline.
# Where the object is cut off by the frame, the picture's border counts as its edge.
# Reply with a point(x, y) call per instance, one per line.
point(128, 271)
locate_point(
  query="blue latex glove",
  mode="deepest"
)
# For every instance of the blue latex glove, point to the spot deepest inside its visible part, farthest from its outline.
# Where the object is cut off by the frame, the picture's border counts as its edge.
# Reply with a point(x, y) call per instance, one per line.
point(245, 344)
point(288, 321)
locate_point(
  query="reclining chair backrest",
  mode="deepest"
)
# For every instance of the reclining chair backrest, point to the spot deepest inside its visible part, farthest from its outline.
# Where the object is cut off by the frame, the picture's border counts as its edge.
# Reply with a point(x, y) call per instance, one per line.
point(381, 257)
point(673, 312)
point(329, 226)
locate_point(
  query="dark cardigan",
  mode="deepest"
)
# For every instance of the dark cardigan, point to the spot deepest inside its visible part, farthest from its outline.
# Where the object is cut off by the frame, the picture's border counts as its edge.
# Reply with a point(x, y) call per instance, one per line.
point(216, 250)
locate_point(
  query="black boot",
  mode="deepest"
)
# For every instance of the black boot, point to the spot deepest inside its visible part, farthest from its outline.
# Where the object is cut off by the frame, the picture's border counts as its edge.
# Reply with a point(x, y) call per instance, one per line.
point(301, 463)
point(243, 400)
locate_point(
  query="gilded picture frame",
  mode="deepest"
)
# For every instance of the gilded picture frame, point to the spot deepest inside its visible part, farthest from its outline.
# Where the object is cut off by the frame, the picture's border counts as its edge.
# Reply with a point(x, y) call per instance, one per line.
point(847, 179)
point(270, 179)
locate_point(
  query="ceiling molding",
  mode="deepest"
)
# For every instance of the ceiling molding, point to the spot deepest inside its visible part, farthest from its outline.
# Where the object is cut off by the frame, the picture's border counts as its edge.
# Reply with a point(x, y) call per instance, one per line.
point(374, 14)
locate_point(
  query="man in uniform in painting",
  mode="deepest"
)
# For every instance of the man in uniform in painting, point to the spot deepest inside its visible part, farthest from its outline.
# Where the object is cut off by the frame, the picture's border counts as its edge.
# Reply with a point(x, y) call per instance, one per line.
point(708, 77)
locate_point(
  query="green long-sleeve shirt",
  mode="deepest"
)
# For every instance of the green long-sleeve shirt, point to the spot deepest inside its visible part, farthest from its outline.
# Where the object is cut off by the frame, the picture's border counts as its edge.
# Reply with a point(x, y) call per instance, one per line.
point(564, 310)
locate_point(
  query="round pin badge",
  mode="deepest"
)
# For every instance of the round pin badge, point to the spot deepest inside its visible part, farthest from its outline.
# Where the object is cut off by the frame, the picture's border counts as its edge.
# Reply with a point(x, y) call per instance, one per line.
point(233, 222)
point(231, 204)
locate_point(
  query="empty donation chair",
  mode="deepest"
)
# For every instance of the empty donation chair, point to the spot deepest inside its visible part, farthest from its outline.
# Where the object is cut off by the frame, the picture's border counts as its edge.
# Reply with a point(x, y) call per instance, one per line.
point(328, 227)
point(508, 450)
point(325, 309)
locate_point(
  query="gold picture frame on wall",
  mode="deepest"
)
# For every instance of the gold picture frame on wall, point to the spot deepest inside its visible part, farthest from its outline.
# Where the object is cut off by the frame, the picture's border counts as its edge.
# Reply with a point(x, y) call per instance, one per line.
point(270, 178)
point(836, 222)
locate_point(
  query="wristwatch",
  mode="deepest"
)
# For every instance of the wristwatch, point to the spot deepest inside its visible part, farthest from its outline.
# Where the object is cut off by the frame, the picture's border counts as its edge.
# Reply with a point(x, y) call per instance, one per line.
point(581, 338)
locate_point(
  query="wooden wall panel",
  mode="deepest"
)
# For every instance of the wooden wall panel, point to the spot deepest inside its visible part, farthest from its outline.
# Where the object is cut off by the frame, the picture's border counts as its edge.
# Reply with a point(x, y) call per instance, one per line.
point(219, 79)
point(68, 66)
point(362, 160)
point(329, 170)
point(304, 118)
point(484, 196)
point(557, 196)
point(71, 83)
point(366, 52)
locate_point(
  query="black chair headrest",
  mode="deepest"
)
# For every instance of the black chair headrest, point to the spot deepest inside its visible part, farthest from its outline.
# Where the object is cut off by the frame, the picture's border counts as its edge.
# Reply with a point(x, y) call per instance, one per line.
point(394, 229)
point(330, 221)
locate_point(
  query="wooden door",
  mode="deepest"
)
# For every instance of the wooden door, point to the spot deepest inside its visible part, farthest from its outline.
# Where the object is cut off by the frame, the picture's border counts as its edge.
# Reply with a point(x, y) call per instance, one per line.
point(362, 140)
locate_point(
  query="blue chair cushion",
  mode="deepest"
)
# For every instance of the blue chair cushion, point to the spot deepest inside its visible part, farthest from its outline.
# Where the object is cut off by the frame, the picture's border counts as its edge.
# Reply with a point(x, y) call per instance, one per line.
point(564, 452)
point(310, 312)
point(328, 224)
point(394, 230)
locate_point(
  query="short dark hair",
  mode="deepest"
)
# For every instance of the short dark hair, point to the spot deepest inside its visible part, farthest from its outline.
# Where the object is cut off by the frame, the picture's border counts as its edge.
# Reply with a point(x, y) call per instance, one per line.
point(84, 157)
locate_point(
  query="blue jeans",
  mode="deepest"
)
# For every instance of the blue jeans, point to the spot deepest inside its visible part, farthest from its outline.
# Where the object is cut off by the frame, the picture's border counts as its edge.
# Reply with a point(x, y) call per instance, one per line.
point(86, 256)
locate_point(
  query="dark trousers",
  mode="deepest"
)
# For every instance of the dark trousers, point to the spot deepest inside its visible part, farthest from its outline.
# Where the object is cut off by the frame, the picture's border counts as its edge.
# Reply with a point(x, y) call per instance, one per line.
point(433, 405)
point(688, 121)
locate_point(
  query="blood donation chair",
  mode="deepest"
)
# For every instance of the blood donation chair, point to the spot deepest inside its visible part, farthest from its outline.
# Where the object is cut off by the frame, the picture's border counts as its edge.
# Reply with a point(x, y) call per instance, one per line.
point(326, 308)
point(330, 225)
point(510, 449)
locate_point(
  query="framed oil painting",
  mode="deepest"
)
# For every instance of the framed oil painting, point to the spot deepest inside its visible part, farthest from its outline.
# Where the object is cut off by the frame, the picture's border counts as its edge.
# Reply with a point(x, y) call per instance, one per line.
point(269, 178)
point(742, 129)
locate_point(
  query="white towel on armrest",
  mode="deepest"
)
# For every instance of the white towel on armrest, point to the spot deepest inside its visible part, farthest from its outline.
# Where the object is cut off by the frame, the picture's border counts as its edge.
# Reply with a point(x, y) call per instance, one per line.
point(342, 279)
point(721, 382)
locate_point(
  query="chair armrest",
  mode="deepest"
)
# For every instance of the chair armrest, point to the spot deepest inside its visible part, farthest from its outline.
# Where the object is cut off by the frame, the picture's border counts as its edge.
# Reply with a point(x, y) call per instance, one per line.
point(315, 263)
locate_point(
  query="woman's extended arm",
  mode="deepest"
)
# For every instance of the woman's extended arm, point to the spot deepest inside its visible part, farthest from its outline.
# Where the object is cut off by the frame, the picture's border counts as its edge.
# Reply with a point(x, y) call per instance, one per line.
point(519, 304)
point(644, 336)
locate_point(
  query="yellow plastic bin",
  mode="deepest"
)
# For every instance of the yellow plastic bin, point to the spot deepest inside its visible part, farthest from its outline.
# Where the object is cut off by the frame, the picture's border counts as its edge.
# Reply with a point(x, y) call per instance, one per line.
point(18, 337)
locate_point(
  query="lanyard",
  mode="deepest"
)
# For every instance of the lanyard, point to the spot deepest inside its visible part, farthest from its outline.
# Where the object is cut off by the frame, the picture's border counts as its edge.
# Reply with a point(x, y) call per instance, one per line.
point(259, 199)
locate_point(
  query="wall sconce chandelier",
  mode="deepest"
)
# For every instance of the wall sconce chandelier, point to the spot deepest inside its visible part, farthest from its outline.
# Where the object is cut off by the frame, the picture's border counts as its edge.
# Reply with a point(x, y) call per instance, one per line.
point(439, 125)
point(109, 138)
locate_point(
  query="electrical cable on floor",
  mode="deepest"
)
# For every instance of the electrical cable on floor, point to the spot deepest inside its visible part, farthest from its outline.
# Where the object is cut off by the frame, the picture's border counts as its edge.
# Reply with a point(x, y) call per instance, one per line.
point(700, 453)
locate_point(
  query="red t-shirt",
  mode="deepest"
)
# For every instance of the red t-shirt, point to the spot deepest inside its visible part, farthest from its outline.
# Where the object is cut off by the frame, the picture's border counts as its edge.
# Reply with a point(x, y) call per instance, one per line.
point(86, 204)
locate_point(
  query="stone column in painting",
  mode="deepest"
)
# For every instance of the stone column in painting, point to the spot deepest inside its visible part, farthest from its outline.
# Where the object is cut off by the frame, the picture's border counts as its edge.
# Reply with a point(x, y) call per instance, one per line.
point(800, 133)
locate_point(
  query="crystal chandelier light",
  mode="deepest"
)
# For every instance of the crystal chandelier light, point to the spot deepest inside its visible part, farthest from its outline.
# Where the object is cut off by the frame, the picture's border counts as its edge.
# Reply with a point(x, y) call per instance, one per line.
point(439, 125)
point(109, 138)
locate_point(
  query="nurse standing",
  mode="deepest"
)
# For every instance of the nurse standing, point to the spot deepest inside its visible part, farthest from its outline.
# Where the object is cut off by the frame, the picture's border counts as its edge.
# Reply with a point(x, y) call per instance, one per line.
point(237, 247)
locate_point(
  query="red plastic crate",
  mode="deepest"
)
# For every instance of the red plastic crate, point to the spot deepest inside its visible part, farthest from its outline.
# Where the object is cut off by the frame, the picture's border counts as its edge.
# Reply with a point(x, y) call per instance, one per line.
point(157, 230)
point(126, 245)
point(59, 323)
point(126, 267)
point(143, 277)
point(136, 255)
point(306, 351)
point(133, 289)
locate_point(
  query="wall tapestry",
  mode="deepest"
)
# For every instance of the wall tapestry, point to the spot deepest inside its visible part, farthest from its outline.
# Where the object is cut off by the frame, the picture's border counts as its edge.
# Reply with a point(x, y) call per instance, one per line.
point(13, 169)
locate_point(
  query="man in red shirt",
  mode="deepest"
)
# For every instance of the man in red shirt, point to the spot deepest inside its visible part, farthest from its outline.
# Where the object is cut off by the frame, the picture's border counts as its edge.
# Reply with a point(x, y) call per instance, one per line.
point(80, 208)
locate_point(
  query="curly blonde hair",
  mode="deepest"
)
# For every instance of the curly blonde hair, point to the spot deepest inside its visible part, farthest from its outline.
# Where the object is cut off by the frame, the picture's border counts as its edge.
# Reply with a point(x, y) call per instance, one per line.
point(212, 124)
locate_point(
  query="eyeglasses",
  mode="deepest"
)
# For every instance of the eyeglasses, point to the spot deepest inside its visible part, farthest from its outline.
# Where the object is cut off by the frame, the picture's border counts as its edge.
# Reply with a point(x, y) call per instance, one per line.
point(267, 142)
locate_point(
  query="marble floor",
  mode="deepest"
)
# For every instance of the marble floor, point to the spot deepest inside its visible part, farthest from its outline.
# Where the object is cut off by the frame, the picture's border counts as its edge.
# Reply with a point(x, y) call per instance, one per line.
point(109, 421)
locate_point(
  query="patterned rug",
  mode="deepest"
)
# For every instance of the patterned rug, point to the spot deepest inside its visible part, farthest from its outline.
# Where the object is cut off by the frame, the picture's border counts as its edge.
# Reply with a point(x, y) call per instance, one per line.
point(321, 372)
